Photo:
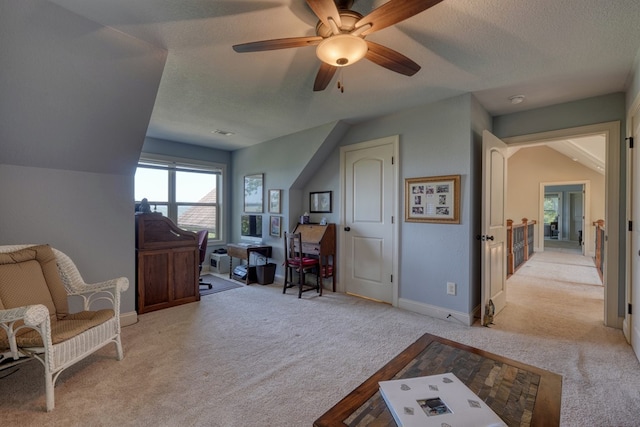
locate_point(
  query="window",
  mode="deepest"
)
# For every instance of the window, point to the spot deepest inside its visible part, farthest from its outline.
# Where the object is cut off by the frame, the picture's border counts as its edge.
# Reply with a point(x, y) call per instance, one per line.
point(551, 208)
point(187, 193)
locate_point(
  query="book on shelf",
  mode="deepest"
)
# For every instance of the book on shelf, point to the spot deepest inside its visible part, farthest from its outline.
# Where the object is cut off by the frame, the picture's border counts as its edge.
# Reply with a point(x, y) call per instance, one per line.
point(436, 400)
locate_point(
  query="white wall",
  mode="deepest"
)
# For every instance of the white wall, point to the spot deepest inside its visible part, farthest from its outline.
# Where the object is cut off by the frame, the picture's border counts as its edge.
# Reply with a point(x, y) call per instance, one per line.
point(532, 165)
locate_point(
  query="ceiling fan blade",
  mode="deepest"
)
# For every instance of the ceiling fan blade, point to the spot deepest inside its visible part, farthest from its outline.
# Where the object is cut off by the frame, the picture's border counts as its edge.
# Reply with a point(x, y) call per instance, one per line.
point(277, 44)
point(392, 12)
point(390, 59)
point(325, 9)
point(324, 76)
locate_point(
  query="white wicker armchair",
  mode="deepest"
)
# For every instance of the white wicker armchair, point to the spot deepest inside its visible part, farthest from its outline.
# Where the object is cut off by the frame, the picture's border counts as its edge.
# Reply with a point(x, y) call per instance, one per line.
point(35, 282)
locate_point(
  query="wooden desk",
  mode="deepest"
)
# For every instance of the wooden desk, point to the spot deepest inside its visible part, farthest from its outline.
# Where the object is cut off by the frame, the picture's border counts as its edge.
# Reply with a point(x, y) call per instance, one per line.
point(320, 240)
point(167, 259)
point(520, 394)
point(242, 251)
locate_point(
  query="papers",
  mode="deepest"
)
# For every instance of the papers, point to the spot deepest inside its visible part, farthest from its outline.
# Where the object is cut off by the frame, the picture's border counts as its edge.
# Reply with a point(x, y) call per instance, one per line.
point(436, 400)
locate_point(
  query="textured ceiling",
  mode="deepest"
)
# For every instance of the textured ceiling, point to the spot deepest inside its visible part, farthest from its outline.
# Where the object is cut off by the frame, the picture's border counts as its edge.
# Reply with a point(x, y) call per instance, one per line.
point(548, 50)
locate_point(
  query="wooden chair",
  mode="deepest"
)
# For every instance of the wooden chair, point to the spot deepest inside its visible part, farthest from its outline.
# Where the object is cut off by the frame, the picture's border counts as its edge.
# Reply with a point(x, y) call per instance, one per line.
point(203, 238)
point(295, 260)
point(35, 321)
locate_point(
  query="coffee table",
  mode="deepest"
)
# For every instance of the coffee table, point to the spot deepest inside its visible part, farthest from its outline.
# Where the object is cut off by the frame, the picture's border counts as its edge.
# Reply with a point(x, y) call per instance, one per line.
point(522, 395)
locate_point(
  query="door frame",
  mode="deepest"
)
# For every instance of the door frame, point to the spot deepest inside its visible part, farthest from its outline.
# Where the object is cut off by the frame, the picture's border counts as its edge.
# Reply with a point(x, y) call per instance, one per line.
point(395, 142)
point(611, 275)
point(632, 283)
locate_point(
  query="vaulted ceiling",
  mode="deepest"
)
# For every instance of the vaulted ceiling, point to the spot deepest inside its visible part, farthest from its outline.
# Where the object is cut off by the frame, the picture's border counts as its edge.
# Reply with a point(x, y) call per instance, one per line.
point(547, 50)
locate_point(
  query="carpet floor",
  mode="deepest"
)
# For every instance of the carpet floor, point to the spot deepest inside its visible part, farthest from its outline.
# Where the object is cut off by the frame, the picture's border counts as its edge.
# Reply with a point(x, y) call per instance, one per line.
point(255, 357)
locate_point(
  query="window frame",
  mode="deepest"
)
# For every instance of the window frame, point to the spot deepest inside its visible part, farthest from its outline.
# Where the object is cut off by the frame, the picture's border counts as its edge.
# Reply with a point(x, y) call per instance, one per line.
point(174, 164)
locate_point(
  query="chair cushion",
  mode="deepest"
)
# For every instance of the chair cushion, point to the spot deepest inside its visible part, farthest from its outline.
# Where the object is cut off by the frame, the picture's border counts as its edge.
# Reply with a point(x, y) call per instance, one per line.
point(306, 262)
point(61, 330)
point(30, 276)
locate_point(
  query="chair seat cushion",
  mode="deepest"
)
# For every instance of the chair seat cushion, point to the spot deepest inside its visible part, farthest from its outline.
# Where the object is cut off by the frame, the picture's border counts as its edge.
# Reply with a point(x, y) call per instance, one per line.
point(61, 330)
point(306, 262)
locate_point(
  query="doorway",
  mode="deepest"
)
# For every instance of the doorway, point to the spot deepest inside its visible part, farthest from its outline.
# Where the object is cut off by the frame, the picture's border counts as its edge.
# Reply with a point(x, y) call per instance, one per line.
point(611, 132)
point(566, 213)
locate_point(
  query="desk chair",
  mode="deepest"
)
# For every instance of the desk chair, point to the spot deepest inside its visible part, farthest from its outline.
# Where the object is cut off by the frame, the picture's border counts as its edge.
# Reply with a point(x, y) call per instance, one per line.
point(203, 238)
point(296, 260)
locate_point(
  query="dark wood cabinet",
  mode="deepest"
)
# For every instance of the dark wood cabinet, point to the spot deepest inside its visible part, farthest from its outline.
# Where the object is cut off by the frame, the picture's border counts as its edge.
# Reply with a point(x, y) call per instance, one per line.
point(166, 264)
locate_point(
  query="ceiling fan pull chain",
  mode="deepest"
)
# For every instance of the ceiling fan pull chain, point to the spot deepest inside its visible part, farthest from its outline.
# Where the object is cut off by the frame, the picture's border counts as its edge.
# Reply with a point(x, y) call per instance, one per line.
point(340, 81)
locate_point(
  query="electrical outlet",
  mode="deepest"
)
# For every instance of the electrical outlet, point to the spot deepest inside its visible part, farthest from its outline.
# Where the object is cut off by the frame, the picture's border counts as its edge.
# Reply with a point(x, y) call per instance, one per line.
point(451, 288)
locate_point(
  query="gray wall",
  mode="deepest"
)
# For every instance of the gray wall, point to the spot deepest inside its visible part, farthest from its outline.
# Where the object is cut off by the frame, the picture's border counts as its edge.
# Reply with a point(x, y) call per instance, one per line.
point(435, 139)
point(75, 105)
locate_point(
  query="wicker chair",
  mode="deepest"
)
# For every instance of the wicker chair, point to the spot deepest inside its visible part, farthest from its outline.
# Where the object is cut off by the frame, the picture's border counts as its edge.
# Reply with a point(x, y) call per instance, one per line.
point(35, 283)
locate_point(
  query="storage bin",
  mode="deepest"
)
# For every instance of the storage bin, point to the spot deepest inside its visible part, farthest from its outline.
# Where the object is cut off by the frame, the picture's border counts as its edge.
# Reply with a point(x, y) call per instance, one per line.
point(266, 273)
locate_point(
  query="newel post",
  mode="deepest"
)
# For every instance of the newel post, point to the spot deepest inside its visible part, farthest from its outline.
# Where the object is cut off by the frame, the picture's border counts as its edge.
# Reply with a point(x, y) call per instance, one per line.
point(525, 224)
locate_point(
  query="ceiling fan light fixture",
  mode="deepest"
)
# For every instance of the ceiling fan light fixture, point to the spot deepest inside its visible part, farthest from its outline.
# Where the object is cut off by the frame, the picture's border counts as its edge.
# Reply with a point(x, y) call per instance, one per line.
point(342, 50)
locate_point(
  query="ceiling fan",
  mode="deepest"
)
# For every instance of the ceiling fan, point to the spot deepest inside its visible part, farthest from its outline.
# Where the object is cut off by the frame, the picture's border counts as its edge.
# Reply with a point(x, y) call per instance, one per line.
point(340, 37)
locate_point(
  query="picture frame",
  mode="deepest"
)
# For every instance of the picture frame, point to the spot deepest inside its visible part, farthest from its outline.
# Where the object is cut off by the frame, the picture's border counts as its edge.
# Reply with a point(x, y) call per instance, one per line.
point(320, 201)
point(432, 199)
point(253, 193)
point(275, 228)
point(274, 201)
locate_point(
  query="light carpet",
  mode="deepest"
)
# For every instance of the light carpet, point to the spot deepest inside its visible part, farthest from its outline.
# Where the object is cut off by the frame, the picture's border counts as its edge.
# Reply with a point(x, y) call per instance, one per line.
point(256, 357)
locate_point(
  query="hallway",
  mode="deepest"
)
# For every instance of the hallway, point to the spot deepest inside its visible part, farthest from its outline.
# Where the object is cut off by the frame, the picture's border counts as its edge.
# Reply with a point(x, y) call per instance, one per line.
point(556, 293)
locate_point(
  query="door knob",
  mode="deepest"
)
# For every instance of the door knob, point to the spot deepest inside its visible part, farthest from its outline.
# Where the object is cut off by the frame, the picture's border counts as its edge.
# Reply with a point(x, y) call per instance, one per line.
point(489, 237)
point(347, 229)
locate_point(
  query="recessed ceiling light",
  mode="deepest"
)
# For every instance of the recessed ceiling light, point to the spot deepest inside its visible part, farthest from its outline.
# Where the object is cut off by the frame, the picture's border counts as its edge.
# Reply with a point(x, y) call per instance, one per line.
point(516, 99)
point(223, 132)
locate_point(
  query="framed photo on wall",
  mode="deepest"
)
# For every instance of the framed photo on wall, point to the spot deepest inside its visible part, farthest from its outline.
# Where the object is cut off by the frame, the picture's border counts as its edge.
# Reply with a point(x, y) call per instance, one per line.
point(432, 199)
point(274, 201)
point(320, 202)
point(253, 193)
point(275, 226)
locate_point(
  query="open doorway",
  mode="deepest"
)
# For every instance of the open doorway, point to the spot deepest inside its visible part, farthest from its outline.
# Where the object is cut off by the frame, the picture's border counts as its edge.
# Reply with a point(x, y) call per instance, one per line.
point(548, 171)
point(566, 213)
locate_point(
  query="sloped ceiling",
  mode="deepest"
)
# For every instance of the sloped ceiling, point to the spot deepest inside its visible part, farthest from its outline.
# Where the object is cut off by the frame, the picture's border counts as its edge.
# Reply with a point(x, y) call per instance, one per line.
point(590, 151)
point(550, 51)
point(74, 95)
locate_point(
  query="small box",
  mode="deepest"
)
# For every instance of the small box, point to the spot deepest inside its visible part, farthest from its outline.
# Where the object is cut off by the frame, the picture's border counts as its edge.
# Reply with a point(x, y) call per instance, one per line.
point(220, 263)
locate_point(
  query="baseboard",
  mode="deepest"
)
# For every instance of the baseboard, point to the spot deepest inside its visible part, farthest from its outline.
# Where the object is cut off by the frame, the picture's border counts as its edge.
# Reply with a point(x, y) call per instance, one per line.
point(127, 319)
point(437, 312)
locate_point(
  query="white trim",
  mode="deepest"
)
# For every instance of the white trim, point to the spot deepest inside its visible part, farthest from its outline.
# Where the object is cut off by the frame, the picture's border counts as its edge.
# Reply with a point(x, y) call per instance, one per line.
point(127, 319)
point(632, 335)
point(441, 313)
point(395, 141)
point(180, 161)
point(611, 130)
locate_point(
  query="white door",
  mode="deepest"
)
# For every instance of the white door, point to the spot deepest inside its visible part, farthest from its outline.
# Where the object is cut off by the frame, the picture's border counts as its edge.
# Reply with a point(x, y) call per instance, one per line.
point(635, 238)
point(367, 236)
point(494, 223)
